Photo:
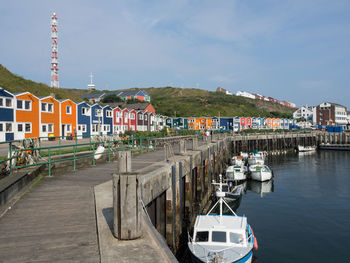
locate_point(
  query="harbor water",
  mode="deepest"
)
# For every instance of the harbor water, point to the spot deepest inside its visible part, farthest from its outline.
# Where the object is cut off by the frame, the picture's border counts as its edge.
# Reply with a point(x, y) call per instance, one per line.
point(303, 214)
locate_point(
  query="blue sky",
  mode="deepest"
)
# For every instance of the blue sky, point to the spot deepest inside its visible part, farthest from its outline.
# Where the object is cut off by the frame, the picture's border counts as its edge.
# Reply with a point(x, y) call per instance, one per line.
point(291, 50)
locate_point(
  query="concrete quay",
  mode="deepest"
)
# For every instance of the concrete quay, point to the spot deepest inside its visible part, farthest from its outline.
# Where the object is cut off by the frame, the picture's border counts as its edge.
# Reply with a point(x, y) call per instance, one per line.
point(56, 220)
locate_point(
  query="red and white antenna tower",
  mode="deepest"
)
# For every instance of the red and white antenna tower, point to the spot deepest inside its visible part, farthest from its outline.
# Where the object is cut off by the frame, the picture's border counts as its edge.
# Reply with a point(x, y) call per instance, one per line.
point(54, 61)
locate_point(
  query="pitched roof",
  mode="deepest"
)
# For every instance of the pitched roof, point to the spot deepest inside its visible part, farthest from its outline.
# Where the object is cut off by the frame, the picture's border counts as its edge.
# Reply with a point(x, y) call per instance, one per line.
point(137, 106)
point(133, 93)
point(92, 95)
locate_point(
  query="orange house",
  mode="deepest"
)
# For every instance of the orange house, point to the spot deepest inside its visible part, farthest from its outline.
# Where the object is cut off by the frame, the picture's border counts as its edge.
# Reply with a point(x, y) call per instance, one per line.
point(68, 117)
point(191, 123)
point(27, 116)
point(49, 117)
point(209, 123)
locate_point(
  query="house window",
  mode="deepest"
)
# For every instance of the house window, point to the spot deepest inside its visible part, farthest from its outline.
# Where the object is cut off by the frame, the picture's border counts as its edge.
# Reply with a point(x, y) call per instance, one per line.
point(8, 103)
point(94, 128)
point(28, 127)
point(44, 128)
point(85, 111)
point(24, 105)
point(20, 127)
point(50, 127)
point(68, 109)
point(98, 112)
point(5, 102)
point(109, 113)
point(8, 127)
point(132, 116)
point(1, 127)
point(141, 117)
point(69, 128)
point(46, 107)
point(145, 117)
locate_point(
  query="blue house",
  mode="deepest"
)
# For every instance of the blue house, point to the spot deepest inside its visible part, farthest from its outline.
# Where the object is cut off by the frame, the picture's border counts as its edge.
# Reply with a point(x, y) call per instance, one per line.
point(96, 119)
point(169, 122)
point(7, 129)
point(84, 120)
point(226, 123)
point(107, 128)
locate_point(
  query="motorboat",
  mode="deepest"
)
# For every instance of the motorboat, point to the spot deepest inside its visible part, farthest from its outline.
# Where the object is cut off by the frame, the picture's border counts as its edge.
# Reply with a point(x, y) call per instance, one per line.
point(256, 159)
point(231, 193)
point(306, 148)
point(261, 188)
point(260, 172)
point(237, 160)
point(222, 238)
point(236, 173)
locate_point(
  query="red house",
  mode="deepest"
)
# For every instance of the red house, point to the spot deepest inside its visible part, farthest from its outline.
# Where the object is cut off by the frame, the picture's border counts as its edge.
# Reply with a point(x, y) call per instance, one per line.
point(132, 120)
point(118, 127)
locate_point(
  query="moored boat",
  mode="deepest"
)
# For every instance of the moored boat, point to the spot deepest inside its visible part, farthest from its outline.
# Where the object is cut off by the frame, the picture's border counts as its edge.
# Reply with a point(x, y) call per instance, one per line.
point(306, 148)
point(222, 238)
point(260, 172)
point(236, 173)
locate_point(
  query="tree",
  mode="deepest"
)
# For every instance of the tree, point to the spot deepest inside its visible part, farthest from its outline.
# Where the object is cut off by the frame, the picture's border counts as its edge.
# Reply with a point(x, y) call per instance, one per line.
point(111, 98)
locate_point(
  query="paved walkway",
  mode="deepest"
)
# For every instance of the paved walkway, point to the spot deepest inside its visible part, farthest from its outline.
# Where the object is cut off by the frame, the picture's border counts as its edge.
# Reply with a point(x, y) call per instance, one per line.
point(56, 221)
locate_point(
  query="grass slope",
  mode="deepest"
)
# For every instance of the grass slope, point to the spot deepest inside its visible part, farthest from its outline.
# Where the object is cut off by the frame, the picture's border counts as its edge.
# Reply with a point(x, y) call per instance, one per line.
point(196, 102)
point(16, 84)
point(167, 100)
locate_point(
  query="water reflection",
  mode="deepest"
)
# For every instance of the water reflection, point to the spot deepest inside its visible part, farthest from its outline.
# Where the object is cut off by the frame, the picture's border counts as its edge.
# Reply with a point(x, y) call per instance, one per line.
point(260, 188)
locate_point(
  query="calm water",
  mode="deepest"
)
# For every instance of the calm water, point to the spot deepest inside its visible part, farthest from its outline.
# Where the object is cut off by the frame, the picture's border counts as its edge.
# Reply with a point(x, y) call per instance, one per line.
point(304, 214)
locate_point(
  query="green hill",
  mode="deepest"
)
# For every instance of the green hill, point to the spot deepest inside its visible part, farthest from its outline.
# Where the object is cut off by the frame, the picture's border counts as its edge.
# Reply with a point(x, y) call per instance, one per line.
point(196, 102)
point(16, 84)
point(167, 101)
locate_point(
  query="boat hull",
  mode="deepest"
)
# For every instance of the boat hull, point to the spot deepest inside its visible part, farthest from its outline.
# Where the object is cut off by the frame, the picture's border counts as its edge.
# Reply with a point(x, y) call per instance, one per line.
point(261, 176)
point(246, 259)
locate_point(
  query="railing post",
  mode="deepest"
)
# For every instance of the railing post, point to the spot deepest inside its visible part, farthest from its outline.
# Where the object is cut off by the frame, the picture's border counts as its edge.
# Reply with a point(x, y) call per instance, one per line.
point(109, 150)
point(59, 143)
point(49, 162)
point(10, 151)
point(74, 151)
point(93, 155)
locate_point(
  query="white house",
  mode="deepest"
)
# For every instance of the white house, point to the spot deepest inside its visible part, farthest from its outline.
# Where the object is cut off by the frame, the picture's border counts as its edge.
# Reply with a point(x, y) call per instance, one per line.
point(305, 112)
point(245, 94)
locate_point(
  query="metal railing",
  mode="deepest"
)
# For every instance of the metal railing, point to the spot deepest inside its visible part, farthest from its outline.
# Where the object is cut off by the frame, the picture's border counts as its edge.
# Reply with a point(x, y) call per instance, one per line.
point(30, 152)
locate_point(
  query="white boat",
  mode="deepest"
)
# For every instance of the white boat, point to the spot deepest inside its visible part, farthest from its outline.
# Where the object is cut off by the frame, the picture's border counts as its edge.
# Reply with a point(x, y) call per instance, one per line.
point(256, 159)
point(260, 172)
point(245, 155)
point(237, 160)
point(222, 238)
point(306, 148)
point(236, 173)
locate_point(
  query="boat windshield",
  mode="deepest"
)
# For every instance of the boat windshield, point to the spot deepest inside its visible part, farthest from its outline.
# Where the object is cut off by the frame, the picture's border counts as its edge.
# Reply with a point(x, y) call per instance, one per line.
point(229, 174)
point(267, 169)
point(202, 236)
point(218, 236)
point(236, 238)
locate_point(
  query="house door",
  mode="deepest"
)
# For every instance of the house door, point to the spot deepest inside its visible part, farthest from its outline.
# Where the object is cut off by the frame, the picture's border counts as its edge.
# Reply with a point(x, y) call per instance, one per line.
point(63, 131)
point(10, 136)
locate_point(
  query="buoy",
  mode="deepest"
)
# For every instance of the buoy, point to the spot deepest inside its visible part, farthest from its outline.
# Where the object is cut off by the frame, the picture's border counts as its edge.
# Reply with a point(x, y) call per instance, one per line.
point(255, 244)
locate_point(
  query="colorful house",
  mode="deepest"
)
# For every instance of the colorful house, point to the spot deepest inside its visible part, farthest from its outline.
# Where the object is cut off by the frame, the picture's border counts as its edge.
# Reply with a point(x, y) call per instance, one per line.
point(215, 123)
point(169, 122)
point(118, 127)
point(83, 120)
point(191, 123)
point(49, 117)
point(134, 94)
point(96, 119)
point(68, 110)
point(125, 119)
point(140, 115)
point(107, 128)
point(132, 120)
point(27, 116)
point(178, 123)
point(226, 123)
point(7, 113)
